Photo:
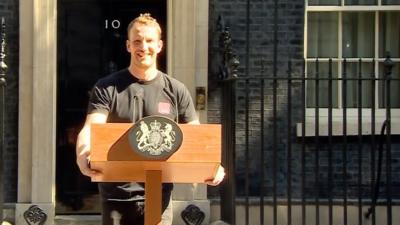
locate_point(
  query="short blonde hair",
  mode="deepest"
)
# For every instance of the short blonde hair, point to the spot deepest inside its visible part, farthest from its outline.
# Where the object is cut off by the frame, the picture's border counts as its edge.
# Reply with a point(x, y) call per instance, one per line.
point(145, 19)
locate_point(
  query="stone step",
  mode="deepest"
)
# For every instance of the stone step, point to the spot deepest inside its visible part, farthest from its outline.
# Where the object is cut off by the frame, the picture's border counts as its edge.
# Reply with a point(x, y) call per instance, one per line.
point(77, 220)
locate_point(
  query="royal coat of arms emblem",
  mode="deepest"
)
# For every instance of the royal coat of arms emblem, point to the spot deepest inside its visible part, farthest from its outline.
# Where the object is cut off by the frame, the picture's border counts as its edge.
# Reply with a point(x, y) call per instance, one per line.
point(155, 137)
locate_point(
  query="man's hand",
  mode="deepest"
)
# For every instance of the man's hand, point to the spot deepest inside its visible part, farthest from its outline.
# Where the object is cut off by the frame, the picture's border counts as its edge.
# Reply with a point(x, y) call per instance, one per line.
point(83, 159)
point(218, 177)
point(83, 144)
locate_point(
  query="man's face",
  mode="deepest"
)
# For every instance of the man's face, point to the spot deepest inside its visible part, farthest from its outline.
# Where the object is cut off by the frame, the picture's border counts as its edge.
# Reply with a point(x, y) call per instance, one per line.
point(144, 44)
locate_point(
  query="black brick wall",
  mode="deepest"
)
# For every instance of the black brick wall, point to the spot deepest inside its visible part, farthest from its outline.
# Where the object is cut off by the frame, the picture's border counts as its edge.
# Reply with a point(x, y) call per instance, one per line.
point(260, 62)
point(261, 47)
point(9, 10)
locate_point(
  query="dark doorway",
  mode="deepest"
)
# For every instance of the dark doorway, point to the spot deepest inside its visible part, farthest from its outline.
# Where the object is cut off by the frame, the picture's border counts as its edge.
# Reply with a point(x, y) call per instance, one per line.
point(91, 44)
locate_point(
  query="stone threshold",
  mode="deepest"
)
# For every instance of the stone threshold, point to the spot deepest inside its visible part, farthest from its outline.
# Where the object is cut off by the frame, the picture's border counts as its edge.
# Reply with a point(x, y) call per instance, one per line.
point(77, 220)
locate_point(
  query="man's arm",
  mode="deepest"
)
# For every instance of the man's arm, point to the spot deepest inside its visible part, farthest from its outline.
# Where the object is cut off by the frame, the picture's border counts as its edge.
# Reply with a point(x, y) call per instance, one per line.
point(83, 143)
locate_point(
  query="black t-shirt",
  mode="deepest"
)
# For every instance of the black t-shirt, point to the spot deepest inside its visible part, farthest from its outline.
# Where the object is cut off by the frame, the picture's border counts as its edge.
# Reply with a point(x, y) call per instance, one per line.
point(126, 99)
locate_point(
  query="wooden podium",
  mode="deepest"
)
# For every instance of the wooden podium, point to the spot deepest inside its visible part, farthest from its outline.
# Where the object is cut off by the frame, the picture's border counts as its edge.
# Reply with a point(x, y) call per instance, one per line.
point(197, 160)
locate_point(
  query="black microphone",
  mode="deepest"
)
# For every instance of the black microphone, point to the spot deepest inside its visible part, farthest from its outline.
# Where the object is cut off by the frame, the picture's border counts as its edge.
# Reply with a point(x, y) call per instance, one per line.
point(138, 102)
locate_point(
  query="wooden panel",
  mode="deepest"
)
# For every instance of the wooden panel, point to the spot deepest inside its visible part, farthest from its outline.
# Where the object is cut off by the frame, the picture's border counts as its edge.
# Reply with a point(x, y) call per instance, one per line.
point(197, 159)
point(201, 143)
point(127, 171)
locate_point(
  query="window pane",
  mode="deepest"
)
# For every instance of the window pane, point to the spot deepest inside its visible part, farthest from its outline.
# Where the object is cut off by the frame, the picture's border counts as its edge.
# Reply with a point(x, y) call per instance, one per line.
point(323, 72)
point(358, 34)
point(390, 2)
point(360, 2)
point(323, 2)
point(394, 87)
point(352, 96)
point(389, 34)
point(322, 34)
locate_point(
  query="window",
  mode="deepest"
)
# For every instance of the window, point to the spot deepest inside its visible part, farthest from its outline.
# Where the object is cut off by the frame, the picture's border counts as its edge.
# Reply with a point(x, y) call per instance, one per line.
point(352, 30)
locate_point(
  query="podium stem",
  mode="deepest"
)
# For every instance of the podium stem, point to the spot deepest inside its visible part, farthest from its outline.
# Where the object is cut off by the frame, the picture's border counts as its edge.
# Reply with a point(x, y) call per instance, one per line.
point(152, 210)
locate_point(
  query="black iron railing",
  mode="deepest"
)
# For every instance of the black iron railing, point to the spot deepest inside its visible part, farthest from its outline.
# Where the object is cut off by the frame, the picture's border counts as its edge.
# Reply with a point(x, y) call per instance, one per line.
point(228, 74)
point(273, 158)
point(3, 70)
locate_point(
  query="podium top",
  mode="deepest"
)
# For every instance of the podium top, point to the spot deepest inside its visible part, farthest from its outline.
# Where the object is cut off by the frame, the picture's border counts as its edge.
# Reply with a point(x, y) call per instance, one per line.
point(195, 161)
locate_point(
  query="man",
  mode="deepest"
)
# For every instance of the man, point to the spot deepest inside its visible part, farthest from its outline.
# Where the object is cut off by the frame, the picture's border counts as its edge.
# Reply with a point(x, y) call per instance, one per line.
point(126, 96)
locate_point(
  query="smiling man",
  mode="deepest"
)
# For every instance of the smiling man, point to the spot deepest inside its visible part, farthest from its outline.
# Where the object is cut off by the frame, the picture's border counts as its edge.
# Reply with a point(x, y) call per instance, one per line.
point(125, 97)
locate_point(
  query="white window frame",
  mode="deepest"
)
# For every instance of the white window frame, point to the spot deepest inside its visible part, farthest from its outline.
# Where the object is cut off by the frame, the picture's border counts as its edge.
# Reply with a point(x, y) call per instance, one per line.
point(352, 113)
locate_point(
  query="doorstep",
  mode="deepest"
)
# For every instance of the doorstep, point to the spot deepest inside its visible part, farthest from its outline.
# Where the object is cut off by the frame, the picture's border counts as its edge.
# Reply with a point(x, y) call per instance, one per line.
point(77, 220)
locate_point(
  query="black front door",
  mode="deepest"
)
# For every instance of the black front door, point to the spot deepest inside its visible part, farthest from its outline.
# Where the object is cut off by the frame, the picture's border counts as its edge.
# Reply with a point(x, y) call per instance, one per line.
point(91, 44)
